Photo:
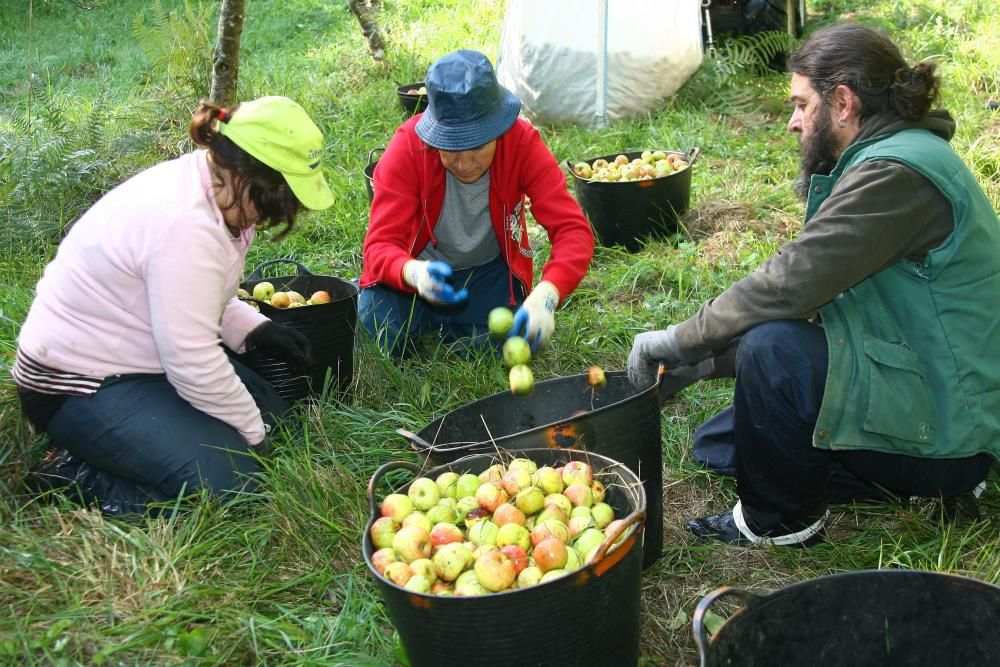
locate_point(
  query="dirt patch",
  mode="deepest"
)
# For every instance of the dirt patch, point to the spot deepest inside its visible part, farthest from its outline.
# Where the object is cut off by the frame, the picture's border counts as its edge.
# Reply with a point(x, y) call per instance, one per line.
point(724, 229)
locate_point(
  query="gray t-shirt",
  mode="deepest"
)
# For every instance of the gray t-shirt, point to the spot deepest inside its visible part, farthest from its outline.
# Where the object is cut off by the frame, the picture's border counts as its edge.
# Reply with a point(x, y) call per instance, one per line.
point(464, 232)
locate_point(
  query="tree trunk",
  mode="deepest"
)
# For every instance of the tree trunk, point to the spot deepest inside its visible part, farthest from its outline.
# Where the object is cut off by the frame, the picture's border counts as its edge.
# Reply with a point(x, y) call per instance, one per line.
point(226, 61)
point(364, 11)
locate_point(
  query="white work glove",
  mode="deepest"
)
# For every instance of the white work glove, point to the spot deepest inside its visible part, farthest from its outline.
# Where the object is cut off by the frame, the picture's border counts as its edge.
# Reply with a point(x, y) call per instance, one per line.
point(649, 350)
point(535, 319)
point(430, 279)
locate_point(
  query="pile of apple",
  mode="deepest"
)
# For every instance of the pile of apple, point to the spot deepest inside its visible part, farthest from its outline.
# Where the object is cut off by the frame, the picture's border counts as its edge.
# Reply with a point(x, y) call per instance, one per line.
point(422, 90)
point(264, 291)
point(650, 165)
point(508, 527)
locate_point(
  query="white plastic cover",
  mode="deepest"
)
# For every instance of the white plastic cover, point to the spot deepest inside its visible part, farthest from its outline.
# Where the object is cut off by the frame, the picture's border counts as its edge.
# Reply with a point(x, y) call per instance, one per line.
point(588, 62)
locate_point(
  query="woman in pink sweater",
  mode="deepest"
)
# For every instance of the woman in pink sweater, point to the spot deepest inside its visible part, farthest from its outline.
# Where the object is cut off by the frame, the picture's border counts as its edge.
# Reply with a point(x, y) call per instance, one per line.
point(122, 359)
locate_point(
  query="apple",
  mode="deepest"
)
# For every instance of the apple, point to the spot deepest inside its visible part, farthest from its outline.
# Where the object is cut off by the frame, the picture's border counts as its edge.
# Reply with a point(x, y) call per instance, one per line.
point(320, 297)
point(442, 513)
point(596, 377)
point(425, 567)
point(560, 501)
point(495, 571)
point(295, 297)
point(603, 514)
point(621, 160)
point(398, 573)
point(549, 529)
point(550, 554)
point(516, 479)
point(522, 463)
point(517, 555)
point(484, 532)
point(451, 560)
point(513, 533)
point(490, 496)
point(470, 589)
point(242, 293)
point(588, 540)
point(382, 558)
point(581, 511)
point(467, 576)
point(508, 513)
point(530, 500)
point(481, 549)
point(475, 515)
point(597, 488)
point(529, 576)
point(522, 380)
point(280, 300)
point(424, 493)
point(383, 531)
point(583, 170)
point(445, 533)
point(552, 575)
point(263, 291)
point(412, 543)
point(577, 471)
point(463, 506)
point(580, 495)
point(549, 480)
point(466, 485)
point(574, 561)
point(296, 304)
point(418, 583)
point(516, 352)
point(494, 473)
point(418, 519)
point(599, 163)
point(552, 511)
point(397, 506)
point(447, 483)
point(578, 524)
point(440, 587)
point(500, 321)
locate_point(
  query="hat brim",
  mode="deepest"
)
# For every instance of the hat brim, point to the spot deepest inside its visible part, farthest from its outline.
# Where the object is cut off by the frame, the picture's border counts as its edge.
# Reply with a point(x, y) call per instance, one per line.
point(311, 189)
point(471, 134)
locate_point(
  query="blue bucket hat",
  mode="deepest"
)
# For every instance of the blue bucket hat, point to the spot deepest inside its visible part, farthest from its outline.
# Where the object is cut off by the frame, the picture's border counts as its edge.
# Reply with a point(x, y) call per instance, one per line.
point(466, 106)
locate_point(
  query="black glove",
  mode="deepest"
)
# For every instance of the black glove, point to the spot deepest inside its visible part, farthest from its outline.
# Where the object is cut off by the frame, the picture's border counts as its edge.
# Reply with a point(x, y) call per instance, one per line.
point(281, 342)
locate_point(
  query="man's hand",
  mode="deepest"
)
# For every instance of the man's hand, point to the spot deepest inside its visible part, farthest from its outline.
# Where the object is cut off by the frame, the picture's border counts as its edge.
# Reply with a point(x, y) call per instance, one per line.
point(281, 342)
point(430, 279)
point(649, 350)
point(535, 319)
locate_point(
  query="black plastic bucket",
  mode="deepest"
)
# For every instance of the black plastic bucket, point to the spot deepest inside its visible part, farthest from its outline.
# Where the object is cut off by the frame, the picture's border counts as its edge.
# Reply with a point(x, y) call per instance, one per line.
point(588, 617)
point(626, 212)
point(617, 421)
point(329, 327)
point(370, 172)
point(412, 103)
point(858, 619)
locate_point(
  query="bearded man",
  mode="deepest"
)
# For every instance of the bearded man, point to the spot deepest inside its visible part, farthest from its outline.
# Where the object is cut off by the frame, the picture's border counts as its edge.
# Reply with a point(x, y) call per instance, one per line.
point(865, 351)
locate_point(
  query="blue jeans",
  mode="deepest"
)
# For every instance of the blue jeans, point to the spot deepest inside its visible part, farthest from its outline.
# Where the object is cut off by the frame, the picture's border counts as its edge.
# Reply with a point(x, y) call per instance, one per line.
point(396, 320)
point(142, 443)
point(784, 482)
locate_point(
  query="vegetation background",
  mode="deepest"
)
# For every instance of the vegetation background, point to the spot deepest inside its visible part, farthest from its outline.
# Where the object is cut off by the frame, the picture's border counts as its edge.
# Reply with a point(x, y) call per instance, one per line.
point(90, 96)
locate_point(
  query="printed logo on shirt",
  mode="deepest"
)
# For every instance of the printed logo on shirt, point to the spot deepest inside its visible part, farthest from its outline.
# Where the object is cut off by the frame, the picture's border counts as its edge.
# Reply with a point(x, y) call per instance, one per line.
point(516, 230)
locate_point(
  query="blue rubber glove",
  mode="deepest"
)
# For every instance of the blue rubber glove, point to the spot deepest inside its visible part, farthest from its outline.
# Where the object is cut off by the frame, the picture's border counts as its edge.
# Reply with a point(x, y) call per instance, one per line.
point(430, 279)
point(535, 319)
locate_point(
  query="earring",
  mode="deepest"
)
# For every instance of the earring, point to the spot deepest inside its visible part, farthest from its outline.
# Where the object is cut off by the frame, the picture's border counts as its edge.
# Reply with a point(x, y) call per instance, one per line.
point(841, 123)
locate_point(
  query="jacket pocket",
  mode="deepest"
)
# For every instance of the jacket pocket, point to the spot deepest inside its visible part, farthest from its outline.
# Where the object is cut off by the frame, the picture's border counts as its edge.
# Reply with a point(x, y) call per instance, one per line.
point(899, 400)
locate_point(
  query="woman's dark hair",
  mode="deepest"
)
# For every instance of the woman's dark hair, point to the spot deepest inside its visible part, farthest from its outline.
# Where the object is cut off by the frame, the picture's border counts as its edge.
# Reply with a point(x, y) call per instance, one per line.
point(868, 63)
point(251, 179)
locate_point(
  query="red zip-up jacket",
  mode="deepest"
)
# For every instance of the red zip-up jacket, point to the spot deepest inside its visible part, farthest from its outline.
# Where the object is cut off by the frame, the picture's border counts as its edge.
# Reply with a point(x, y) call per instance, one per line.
point(409, 184)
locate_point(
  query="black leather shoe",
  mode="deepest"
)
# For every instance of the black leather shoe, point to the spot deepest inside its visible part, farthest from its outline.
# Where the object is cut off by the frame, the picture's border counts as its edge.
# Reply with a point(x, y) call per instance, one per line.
point(718, 527)
point(57, 471)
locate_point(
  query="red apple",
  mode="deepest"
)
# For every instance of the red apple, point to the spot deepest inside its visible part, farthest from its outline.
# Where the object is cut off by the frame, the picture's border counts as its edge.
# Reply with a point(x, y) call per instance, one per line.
point(517, 555)
point(445, 533)
point(490, 496)
point(508, 513)
point(579, 494)
point(397, 506)
point(577, 472)
point(319, 297)
point(382, 558)
point(550, 528)
point(398, 573)
point(550, 554)
point(595, 374)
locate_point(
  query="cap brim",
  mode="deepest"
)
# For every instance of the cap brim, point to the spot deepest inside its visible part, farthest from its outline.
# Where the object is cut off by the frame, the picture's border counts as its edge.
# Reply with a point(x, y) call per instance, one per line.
point(312, 190)
point(465, 136)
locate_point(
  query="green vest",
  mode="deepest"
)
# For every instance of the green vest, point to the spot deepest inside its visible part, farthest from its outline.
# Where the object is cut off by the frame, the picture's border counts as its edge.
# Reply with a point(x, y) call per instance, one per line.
point(914, 350)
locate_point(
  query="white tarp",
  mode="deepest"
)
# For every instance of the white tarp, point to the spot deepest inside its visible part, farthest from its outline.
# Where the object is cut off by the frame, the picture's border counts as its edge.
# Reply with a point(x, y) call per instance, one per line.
point(588, 62)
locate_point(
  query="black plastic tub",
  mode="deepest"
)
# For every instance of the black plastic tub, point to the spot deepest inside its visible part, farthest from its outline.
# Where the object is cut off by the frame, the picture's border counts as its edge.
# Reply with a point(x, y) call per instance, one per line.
point(330, 327)
point(370, 172)
point(412, 103)
point(617, 421)
point(624, 213)
point(869, 618)
point(588, 617)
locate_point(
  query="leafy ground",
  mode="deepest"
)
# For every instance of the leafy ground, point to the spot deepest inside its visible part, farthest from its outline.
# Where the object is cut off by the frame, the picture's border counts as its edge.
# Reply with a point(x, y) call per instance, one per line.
point(90, 97)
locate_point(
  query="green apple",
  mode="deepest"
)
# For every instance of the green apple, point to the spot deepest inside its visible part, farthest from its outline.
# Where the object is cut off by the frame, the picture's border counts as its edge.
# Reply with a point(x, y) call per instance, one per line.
point(465, 505)
point(425, 567)
point(516, 479)
point(383, 531)
point(451, 560)
point(418, 583)
point(597, 488)
point(513, 533)
point(603, 514)
point(447, 484)
point(578, 524)
point(529, 576)
point(412, 543)
point(485, 532)
point(397, 506)
point(418, 519)
point(530, 500)
point(263, 291)
point(549, 480)
point(500, 321)
point(553, 574)
point(574, 561)
point(588, 539)
point(516, 351)
point(242, 293)
point(424, 493)
point(442, 513)
point(522, 380)
point(527, 464)
point(560, 501)
point(466, 485)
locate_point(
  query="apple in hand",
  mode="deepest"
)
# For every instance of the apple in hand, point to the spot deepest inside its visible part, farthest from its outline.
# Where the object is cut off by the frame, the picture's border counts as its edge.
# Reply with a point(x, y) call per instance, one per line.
point(424, 493)
point(397, 506)
point(495, 571)
point(412, 543)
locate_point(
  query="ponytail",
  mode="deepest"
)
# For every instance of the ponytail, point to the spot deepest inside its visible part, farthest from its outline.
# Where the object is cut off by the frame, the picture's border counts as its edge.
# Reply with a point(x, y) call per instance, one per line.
point(203, 129)
point(914, 90)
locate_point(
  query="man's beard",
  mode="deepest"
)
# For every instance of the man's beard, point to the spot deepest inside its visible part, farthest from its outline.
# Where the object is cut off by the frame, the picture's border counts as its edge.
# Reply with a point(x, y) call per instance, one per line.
point(818, 153)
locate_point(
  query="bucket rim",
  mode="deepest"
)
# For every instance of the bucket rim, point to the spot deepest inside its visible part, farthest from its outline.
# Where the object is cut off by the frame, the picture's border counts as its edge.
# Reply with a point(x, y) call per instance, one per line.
point(689, 156)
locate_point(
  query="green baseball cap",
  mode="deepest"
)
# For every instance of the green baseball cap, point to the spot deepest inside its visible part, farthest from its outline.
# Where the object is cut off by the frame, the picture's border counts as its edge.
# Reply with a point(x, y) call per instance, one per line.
point(279, 133)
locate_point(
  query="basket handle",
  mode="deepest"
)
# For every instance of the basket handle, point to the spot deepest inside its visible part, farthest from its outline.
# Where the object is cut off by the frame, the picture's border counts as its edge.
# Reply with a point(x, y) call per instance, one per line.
point(692, 155)
point(380, 473)
point(698, 626)
point(371, 155)
point(631, 519)
point(257, 273)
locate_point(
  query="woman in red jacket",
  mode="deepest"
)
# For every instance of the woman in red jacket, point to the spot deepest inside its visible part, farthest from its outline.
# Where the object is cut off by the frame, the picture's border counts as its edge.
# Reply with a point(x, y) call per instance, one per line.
point(447, 238)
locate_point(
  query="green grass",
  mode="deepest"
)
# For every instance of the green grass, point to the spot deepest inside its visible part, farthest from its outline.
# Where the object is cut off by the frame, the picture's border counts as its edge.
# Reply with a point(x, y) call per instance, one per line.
point(277, 578)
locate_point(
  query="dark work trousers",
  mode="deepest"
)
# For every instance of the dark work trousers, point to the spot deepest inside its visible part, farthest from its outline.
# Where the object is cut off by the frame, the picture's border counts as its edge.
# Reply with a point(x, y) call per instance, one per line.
point(784, 482)
point(396, 319)
point(142, 443)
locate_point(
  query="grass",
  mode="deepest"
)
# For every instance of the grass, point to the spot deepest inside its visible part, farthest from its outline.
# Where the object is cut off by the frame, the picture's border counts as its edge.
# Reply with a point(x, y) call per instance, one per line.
point(277, 578)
